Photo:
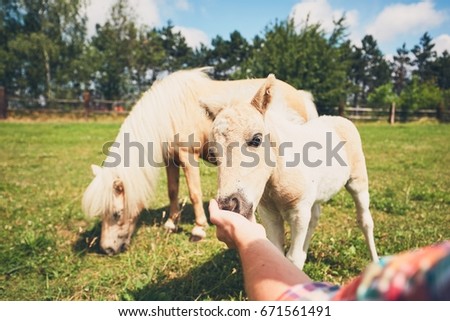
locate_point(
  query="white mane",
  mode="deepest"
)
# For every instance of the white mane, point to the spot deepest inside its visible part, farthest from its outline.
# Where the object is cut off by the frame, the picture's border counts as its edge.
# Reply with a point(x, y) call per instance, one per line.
point(308, 99)
point(152, 120)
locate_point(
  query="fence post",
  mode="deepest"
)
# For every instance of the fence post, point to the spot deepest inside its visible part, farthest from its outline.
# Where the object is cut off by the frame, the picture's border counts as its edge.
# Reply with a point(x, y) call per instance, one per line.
point(87, 103)
point(392, 113)
point(3, 103)
point(341, 108)
point(440, 112)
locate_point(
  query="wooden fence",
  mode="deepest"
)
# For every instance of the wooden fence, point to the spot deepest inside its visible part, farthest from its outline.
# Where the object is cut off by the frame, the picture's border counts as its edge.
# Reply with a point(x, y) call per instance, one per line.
point(83, 107)
point(392, 114)
point(87, 105)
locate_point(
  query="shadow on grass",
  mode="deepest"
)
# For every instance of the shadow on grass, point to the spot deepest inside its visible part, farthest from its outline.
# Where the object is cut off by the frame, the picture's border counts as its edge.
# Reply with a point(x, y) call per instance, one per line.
point(154, 217)
point(89, 240)
point(218, 279)
point(319, 265)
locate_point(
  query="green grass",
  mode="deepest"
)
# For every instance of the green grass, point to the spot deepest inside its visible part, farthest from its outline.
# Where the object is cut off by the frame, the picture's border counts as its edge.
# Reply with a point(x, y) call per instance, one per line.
point(49, 249)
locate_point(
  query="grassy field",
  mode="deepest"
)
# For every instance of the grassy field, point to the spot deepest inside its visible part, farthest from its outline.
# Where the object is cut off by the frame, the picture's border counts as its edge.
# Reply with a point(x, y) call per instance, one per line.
point(49, 250)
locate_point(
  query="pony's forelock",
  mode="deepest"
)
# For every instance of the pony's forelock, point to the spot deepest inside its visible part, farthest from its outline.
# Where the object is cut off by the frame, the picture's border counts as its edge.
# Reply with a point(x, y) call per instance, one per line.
point(97, 199)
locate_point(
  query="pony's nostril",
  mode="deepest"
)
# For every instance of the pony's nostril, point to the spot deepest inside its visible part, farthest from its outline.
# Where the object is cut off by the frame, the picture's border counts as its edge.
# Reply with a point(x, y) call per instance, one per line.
point(231, 203)
point(123, 247)
point(234, 204)
point(109, 251)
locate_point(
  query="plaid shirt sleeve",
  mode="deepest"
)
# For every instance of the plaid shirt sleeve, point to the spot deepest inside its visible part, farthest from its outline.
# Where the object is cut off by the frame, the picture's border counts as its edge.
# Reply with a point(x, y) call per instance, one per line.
point(422, 274)
point(315, 291)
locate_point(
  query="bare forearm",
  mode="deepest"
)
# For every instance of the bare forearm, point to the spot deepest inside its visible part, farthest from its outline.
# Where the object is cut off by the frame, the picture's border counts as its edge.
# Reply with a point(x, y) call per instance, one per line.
point(267, 273)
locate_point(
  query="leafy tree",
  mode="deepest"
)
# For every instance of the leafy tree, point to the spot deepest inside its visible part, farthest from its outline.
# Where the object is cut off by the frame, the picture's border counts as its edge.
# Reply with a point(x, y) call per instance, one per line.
point(113, 48)
point(147, 58)
point(305, 58)
point(201, 56)
point(69, 75)
point(369, 69)
point(178, 54)
point(227, 55)
point(401, 65)
point(10, 27)
point(44, 51)
point(87, 65)
point(424, 55)
point(418, 95)
point(445, 100)
point(383, 96)
point(49, 34)
point(441, 69)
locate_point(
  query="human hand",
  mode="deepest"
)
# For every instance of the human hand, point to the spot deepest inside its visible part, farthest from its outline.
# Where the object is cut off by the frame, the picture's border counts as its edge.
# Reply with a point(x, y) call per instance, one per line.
point(234, 229)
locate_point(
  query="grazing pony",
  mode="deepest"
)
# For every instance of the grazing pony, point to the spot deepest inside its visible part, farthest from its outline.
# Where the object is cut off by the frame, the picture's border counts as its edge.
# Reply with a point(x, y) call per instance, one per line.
point(166, 128)
point(284, 168)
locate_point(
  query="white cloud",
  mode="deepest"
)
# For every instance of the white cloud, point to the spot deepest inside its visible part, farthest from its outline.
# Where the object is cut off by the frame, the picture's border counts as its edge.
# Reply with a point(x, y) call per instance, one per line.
point(145, 11)
point(401, 19)
point(182, 5)
point(194, 37)
point(97, 12)
point(320, 11)
point(442, 43)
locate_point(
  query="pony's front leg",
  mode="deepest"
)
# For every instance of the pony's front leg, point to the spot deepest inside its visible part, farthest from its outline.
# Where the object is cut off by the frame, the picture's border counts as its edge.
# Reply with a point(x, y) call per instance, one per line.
point(173, 182)
point(298, 219)
point(274, 225)
point(192, 172)
point(315, 214)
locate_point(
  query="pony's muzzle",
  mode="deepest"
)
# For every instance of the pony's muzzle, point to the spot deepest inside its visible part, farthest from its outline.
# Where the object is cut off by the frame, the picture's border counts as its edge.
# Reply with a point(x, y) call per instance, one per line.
point(110, 250)
point(236, 203)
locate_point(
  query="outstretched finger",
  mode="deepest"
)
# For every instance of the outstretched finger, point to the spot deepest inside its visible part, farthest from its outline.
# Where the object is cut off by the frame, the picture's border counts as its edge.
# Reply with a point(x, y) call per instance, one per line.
point(214, 211)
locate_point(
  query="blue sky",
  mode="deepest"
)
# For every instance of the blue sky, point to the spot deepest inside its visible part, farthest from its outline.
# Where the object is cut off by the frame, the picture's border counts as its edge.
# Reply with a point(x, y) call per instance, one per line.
point(391, 22)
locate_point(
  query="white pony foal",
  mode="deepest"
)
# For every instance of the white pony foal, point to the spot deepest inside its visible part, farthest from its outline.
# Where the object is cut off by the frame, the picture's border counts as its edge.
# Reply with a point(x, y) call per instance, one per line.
point(286, 169)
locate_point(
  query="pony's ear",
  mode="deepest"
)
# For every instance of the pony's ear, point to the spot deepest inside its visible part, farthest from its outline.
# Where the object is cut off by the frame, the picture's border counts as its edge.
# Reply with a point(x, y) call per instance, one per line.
point(212, 107)
point(96, 169)
point(118, 186)
point(263, 97)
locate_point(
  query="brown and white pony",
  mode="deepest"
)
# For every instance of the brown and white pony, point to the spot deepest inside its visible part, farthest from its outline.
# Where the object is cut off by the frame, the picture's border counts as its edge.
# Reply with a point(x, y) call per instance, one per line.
point(283, 168)
point(166, 128)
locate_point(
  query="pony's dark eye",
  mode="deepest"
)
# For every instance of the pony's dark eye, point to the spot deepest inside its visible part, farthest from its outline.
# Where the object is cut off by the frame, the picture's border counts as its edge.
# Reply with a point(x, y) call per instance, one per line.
point(212, 151)
point(116, 216)
point(212, 155)
point(255, 141)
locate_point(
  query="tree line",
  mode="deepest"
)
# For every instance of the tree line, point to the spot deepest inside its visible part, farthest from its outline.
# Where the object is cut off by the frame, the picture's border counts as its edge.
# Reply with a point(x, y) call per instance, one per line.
point(45, 51)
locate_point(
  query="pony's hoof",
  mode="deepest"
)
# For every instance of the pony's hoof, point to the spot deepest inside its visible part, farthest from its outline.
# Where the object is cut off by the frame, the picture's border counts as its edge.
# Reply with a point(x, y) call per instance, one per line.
point(198, 234)
point(195, 238)
point(170, 226)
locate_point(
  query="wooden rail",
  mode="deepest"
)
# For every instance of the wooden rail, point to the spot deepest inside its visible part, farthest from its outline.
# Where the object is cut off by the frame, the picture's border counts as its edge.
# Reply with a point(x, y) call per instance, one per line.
point(87, 106)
